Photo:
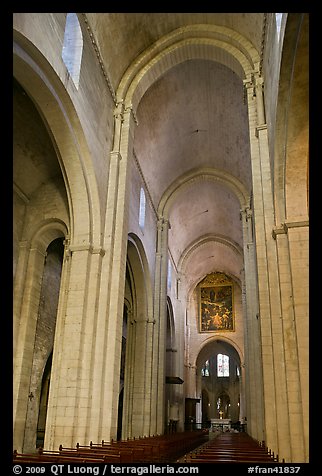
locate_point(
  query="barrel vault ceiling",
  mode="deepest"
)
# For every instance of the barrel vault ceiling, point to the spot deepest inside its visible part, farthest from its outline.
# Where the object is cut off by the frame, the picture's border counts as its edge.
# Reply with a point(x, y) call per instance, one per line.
point(193, 117)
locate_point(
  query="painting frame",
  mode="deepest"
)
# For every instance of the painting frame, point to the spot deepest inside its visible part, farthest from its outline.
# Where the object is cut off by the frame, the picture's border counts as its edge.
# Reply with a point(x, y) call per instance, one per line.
point(216, 304)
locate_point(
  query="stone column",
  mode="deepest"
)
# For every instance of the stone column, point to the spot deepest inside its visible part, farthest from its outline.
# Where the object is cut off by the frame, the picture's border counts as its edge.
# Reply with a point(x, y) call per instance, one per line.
point(137, 385)
point(127, 430)
point(85, 400)
point(148, 422)
point(57, 355)
point(292, 246)
point(253, 380)
point(70, 391)
point(138, 378)
point(193, 382)
point(272, 343)
point(117, 213)
point(242, 392)
point(100, 359)
point(18, 289)
point(160, 317)
point(298, 237)
point(180, 324)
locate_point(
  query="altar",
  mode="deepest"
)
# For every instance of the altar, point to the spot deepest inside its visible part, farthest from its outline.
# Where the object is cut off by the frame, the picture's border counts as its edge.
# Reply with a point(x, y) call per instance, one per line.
point(221, 424)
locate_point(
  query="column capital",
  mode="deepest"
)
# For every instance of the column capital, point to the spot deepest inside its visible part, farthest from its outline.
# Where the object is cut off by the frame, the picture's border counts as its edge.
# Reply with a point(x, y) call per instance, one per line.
point(284, 227)
point(119, 110)
point(115, 154)
point(258, 79)
point(279, 230)
point(24, 244)
point(262, 127)
point(128, 109)
point(163, 223)
point(70, 249)
point(98, 251)
point(42, 252)
point(246, 213)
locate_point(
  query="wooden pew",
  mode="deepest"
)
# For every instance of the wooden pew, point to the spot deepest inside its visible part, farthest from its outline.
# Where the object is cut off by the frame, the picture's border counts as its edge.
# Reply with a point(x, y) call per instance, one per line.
point(230, 448)
point(52, 458)
point(154, 449)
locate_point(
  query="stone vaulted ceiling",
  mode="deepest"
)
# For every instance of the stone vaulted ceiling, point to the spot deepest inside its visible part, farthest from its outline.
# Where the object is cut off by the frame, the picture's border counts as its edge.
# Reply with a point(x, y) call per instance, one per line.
point(191, 118)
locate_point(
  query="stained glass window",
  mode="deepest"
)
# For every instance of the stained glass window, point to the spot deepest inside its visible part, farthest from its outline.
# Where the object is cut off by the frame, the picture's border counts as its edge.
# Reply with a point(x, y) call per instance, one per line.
point(222, 365)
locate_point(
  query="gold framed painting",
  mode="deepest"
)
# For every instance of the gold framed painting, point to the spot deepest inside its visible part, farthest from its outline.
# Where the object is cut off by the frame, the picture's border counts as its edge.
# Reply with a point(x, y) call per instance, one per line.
point(216, 304)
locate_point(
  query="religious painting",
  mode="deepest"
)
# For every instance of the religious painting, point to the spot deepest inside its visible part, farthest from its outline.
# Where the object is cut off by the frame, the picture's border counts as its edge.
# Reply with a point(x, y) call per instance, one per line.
point(216, 303)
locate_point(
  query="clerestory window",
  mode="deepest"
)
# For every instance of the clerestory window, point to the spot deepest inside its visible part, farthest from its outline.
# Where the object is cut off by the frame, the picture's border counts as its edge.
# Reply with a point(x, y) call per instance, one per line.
point(73, 47)
point(278, 19)
point(142, 209)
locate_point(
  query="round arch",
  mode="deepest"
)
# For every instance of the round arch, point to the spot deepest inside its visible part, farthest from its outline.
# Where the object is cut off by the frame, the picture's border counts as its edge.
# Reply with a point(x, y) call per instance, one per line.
point(138, 361)
point(206, 349)
point(229, 393)
point(292, 119)
point(140, 267)
point(213, 42)
point(235, 247)
point(36, 244)
point(42, 84)
point(46, 232)
point(28, 290)
point(197, 175)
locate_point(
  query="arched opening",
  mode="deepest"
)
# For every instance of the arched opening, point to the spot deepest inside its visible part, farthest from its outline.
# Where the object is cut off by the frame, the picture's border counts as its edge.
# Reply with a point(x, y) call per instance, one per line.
point(137, 334)
point(220, 384)
point(38, 391)
point(49, 166)
point(223, 406)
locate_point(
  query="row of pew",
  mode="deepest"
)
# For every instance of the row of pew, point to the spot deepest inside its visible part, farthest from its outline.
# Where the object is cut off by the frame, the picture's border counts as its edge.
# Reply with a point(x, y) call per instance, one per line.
point(230, 448)
point(149, 449)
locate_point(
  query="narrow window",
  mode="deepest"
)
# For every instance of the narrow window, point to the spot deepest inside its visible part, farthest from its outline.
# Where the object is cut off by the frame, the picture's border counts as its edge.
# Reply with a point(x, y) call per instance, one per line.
point(142, 209)
point(205, 369)
point(73, 47)
point(169, 274)
point(278, 18)
point(222, 365)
